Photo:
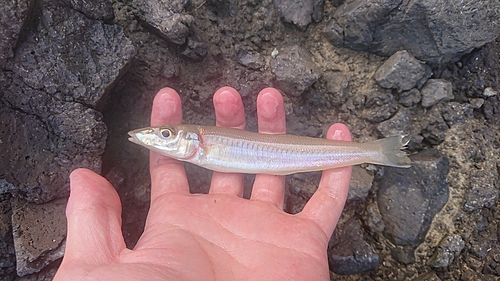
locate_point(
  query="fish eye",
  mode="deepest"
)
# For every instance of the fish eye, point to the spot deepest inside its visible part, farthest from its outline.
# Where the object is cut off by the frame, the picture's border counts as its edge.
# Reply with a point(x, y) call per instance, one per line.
point(166, 133)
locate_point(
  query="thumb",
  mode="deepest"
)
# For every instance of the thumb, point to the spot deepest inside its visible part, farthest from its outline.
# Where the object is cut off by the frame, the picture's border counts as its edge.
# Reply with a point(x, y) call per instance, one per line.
point(94, 221)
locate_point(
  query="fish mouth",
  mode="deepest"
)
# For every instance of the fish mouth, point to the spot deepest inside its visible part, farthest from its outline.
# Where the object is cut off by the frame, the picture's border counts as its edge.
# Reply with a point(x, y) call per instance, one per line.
point(133, 137)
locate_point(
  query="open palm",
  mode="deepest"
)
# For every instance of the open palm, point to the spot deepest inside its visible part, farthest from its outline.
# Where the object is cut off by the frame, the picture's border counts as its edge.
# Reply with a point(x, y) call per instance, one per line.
point(215, 236)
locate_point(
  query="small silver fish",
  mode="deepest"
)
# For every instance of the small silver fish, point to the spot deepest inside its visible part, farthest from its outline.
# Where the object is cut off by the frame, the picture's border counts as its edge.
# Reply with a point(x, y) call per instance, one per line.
point(238, 151)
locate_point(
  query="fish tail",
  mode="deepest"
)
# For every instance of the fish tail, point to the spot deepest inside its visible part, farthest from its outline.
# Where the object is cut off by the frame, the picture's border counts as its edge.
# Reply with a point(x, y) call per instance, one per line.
point(391, 153)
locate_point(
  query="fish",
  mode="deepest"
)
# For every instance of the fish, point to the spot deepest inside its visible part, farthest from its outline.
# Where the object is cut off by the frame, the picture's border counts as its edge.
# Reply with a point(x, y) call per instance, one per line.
point(231, 150)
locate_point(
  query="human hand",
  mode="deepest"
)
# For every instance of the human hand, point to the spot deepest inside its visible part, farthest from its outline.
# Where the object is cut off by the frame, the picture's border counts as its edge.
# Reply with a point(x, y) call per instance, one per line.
point(215, 236)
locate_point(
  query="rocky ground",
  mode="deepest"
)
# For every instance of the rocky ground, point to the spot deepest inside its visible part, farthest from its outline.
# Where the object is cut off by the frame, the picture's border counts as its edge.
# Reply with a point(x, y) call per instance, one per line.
point(76, 77)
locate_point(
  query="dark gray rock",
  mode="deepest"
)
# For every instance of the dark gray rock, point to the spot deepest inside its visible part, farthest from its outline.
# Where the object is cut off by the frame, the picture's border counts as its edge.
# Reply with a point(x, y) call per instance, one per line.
point(349, 252)
point(168, 17)
point(361, 183)
point(93, 9)
point(433, 31)
point(483, 193)
point(410, 98)
point(433, 126)
point(489, 92)
point(399, 124)
point(379, 105)
point(428, 276)
point(301, 12)
point(403, 254)
point(224, 8)
point(13, 14)
point(373, 219)
point(39, 232)
point(336, 88)
point(476, 103)
point(435, 91)
point(195, 50)
point(448, 249)
point(402, 71)
point(249, 58)
point(66, 65)
point(7, 251)
point(408, 199)
point(294, 70)
point(71, 57)
point(454, 112)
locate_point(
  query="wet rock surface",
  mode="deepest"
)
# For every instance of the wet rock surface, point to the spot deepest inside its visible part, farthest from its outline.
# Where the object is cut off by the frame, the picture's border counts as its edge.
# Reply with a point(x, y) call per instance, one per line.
point(70, 90)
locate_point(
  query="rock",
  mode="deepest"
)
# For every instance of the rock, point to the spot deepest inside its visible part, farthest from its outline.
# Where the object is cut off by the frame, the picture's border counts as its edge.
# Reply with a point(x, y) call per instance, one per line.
point(476, 103)
point(399, 124)
point(373, 220)
point(336, 87)
point(224, 8)
point(454, 112)
point(402, 71)
point(410, 98)
point(351, 254)
point(294, 70)
point(448, 249)
point(7, 251)
point(302, 187)
point(491, 108)
point(249, 58)
point(361, 183)
point(379, 105)
point(428, 276)
point(63, 68)
point(194, 50)
point(93, 9)
point(71, 57)
point(408, 199)
point(39, 232)
point(13, 14)
point(300, 12)
point(489, 92)
point(433, 126)
point(403, 254)
point(483, 193)
point(435, 91)
point(30, 149)
point(167, 17)
point(433, 31)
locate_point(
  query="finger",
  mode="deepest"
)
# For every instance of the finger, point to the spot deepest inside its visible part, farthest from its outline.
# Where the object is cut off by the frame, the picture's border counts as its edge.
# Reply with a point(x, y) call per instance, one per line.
point(326, 204)
point(94, 220)
point(272, 120)
point(229, 112)
point(167, 174)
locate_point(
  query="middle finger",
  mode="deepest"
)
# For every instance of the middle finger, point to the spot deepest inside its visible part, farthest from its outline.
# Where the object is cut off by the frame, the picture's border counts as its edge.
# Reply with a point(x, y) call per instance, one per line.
point(229, 112)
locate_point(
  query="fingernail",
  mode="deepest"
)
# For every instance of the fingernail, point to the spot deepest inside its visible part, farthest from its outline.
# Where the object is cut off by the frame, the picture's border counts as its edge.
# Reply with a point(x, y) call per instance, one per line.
point(338, 135)
point(167, 106)
point(226, 104)
point(269, 105)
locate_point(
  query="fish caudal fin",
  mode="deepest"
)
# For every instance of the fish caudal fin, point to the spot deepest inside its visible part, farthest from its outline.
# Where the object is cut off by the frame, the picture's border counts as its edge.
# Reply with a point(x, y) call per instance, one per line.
point(391, 153)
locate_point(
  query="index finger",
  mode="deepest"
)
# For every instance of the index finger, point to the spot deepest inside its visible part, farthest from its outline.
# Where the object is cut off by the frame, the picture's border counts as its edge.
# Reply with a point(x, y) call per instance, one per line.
point(326, 204)
point(167, 174)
